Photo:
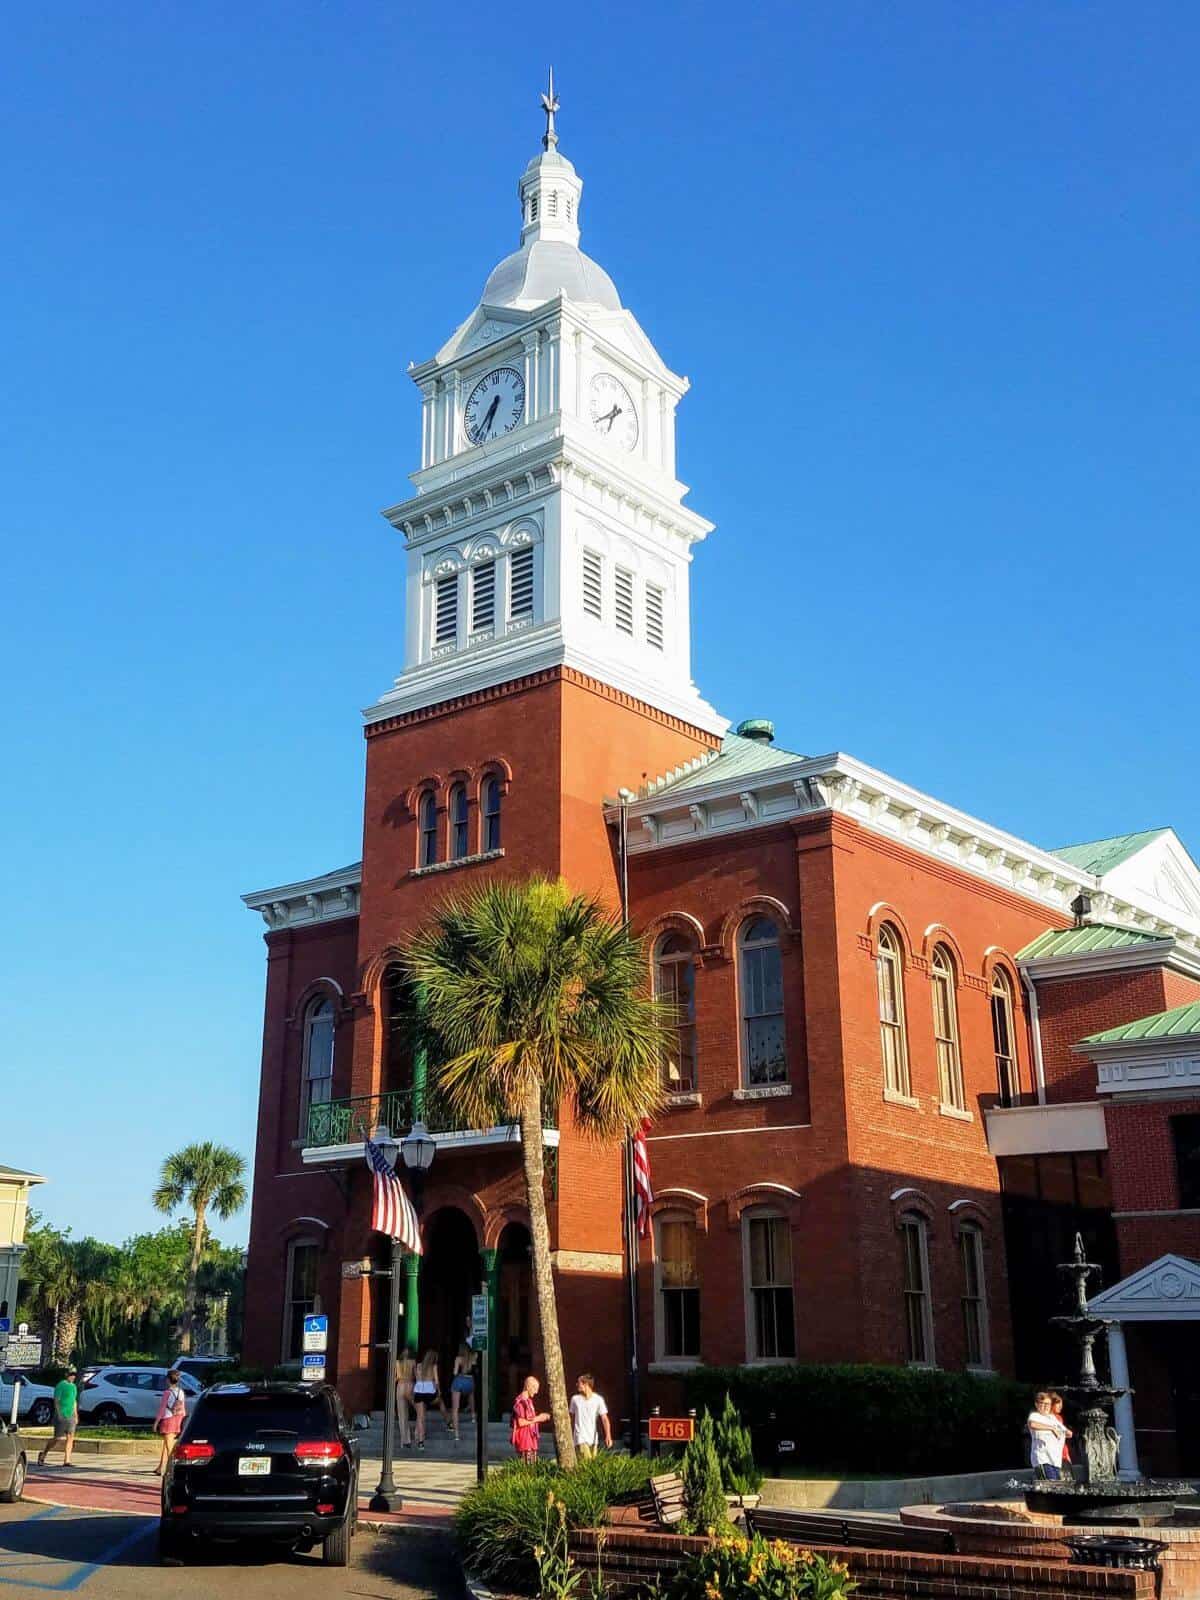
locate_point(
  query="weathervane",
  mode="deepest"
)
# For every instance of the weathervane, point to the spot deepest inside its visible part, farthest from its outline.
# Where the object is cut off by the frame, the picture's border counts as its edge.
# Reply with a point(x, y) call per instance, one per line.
point(550, 106)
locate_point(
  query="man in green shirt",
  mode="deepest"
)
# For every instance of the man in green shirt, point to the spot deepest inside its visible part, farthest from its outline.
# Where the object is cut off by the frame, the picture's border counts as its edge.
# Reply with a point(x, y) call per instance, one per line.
point(66, 1415)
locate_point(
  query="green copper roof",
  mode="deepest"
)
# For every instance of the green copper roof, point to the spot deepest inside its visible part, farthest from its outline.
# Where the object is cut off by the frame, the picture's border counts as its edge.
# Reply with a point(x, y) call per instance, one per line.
point(1077, 941)
point(737, 758)
point(1178, 1023)
point(1102, 855)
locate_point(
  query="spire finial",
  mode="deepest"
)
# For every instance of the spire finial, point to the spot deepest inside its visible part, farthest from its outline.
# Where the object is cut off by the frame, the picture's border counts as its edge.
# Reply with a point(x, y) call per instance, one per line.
point(550, 106)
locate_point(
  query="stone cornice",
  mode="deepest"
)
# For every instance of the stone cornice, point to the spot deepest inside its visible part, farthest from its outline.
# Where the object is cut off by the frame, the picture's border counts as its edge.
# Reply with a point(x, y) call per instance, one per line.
point(664, 816)
point(1164, 952)
point(330, 898)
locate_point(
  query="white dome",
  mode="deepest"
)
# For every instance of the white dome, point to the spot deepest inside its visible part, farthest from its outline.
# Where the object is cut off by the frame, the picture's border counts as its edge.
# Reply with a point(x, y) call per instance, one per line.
point(543, 268)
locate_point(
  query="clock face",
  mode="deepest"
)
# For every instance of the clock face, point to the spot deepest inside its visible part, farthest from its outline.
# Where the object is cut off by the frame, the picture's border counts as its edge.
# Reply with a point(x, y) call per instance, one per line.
point(495, 405)
point(614, 415)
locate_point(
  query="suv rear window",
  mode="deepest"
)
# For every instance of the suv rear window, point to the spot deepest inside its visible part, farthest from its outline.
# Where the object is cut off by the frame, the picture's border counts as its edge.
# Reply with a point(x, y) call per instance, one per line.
point(228, 1418)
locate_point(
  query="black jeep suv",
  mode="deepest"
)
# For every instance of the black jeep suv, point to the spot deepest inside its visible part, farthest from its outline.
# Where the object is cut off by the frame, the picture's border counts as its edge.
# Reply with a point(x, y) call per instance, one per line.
point(263, 1460)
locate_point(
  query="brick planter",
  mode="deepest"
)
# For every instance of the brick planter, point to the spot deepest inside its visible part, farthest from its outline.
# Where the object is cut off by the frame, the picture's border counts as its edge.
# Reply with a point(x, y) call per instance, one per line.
point(631, 1559)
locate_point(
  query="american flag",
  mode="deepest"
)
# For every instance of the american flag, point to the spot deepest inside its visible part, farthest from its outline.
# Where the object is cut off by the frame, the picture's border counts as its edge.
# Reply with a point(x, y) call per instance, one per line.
point(642, 1189)
point(391, 1209)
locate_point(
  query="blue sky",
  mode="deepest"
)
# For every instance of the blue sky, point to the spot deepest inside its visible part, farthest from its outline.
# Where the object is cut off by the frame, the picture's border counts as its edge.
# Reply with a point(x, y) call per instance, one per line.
point(930, 269)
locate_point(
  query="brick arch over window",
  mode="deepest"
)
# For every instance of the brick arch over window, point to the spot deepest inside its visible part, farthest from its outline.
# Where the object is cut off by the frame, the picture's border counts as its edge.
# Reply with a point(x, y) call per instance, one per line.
point(968, 1213)
point(881, 912)
point(494, 767)
point(937, 933)
point(682, 1200)
point(496, 1221)
point(318, 989)
point(909, 1201)
point(412, 798)
point(314, 1228)
point(994, 956)
point(371, 987)
point(773, 1196)
point(674, 922)
point(756, 905)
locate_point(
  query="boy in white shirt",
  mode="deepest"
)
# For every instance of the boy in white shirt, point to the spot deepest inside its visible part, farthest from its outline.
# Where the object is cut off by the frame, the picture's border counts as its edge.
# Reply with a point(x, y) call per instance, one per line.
point(589, 1415)
point(1047, 1435)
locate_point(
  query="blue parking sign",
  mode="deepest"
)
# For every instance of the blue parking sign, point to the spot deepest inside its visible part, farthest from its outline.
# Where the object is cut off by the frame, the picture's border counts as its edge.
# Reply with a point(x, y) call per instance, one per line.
point(313, 1368)
point(316, 1324)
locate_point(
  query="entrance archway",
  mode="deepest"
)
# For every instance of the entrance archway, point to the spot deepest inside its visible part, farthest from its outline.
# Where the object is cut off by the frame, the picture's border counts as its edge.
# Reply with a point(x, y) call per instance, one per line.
point(515, 1313)
point(450, 1275)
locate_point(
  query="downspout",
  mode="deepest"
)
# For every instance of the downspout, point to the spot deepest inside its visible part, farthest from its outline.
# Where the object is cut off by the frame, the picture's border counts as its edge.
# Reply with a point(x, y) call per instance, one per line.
point(1035, 1034)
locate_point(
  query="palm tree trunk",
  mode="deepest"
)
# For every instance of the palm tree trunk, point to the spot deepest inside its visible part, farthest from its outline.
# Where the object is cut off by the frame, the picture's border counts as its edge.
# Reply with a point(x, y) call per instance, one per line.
point(539, 1228)
point(65, 1332)
point(189, 1299)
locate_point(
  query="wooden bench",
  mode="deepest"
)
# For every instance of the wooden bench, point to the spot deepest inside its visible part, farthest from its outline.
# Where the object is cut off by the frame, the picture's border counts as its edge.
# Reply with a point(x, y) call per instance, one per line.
point(825, 1527)
point(666, 1495)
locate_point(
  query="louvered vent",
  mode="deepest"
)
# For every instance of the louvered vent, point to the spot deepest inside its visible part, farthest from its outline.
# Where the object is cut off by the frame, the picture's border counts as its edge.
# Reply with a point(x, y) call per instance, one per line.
point(445, 628)
point(654, 616)
point(593, 584)
point(624, 600)
point(483, 596)
point(520, 585)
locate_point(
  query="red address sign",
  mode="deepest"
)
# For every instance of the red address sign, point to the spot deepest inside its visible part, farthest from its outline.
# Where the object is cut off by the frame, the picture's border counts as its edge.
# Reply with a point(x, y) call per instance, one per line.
point(672, 1430)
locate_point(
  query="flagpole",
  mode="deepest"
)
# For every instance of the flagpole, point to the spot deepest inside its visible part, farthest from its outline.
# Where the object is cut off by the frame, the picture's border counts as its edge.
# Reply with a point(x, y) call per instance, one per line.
point(631, 1235)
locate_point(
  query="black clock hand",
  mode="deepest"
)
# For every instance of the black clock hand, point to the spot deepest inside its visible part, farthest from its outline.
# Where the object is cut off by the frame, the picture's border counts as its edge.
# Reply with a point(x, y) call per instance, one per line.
point(611, 416)
point(487, 421)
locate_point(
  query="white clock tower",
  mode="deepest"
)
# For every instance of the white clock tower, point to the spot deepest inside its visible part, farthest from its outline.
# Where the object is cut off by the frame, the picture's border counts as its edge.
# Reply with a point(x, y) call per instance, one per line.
point(548, 526)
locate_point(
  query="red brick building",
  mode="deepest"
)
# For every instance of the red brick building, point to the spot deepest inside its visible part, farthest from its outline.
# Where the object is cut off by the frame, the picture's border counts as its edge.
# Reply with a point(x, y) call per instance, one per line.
point(882, 1000)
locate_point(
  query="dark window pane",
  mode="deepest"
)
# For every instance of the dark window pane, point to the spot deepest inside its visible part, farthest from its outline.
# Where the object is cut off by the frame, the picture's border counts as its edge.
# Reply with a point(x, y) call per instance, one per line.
point(1186, 1131)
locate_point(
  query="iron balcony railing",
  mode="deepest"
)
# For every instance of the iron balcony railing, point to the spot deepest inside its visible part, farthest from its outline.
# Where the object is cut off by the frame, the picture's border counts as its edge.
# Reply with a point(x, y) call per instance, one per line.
point(351, 1121)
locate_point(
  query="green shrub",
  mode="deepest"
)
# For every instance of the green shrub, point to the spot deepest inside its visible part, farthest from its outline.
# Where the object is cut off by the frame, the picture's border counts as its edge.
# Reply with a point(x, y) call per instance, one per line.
point(735, 1452)
point(747, 1569)
point(705, 1509)
point(500, 1522)
point(883, 1420)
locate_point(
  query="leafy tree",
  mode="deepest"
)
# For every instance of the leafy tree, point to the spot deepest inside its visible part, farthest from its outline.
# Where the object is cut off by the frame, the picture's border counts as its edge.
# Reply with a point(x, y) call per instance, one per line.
point(63, 1280)
point(203, 1177)
point(532, 997)
point(706, 1510)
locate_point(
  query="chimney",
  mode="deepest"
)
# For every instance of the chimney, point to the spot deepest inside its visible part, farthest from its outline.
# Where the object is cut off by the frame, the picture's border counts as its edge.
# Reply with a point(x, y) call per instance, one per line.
point(757, 728)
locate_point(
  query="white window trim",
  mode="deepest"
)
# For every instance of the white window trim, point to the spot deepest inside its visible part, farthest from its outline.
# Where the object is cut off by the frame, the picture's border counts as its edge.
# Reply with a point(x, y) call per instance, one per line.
point(945, 973)
point(310, 1012)
point(745, 1087)
point(750, 1214)
point(930, 1362)
point(302, 1242)
point(985, 1310)
point(666, 1362)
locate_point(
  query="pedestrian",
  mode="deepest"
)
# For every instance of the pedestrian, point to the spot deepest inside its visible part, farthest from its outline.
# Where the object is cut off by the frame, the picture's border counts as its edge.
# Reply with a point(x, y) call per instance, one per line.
point(66, 1416)
point(589, 1416)
point(1056, 1410)
point(406, 1373)
point(1046, 1437)
point(462, 1385)
point(427, 1391)
point(527, 1421)
point(172, 1414)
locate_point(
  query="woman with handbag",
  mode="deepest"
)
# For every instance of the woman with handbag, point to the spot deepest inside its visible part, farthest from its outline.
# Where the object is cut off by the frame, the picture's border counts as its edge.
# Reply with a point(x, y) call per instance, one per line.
point(172, 1414)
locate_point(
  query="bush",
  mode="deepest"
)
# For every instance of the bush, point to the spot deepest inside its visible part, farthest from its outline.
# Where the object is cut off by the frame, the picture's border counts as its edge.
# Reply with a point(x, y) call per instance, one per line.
point(745, 1569)
point(739, 1475)
point(705, 1510)
point(499, 1522)
point(897, 1420)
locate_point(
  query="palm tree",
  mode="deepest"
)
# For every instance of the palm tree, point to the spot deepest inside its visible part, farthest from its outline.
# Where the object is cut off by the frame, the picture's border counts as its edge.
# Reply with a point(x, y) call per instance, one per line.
point(65, 1278)
point(203, 1177)
point(534, 996)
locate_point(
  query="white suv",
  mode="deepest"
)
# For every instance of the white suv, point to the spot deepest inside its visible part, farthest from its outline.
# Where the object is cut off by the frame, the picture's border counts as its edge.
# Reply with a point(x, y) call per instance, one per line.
point(129, 1394)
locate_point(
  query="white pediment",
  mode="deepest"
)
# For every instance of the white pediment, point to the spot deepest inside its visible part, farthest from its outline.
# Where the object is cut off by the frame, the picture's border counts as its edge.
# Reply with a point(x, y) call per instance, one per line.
point(485, 325)
point(1163, 874)
point(1168, 1290)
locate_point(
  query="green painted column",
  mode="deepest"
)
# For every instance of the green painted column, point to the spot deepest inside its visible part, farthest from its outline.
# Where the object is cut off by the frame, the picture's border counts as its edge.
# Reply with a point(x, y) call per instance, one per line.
point(491, 1272)
point(412, 1304)
point(420, 1064)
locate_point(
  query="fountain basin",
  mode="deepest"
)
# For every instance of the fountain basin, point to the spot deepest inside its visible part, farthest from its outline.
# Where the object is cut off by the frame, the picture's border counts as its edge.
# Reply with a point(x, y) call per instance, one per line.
point(1143, 1502)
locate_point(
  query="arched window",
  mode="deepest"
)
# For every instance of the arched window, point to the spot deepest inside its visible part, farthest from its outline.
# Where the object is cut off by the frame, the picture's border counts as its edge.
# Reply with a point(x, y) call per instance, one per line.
point(490, 825)
point(675, 986)
point(764, 1043)
point(1004, 1038)
point(398, 1018)
point(458, 822)
point(678, 1310)
point(918, 1316)
point(317, 1077)
point(427, 826)
point(945, 1029)
point(301, 1298)
point(770, 1312)
point(974, 1298)
point(889, 974)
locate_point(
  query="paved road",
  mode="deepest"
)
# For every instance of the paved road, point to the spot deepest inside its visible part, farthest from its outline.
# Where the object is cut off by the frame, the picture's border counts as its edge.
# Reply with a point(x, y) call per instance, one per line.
point(47, 1550)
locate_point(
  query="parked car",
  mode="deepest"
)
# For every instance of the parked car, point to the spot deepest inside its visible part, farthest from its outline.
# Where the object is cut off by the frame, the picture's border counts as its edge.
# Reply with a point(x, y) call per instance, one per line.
point(203, 1368)
point(128, 1394)
point(36, 1405)
point(13, 1464)
point(263, 1461)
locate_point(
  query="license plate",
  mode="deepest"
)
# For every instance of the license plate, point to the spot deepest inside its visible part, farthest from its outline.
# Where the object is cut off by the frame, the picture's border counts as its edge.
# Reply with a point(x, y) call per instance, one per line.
point(253, 1466)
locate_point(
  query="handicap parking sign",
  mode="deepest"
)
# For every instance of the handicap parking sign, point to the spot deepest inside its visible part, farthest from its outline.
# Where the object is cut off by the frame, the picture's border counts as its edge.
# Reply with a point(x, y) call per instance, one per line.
point(316, 1333)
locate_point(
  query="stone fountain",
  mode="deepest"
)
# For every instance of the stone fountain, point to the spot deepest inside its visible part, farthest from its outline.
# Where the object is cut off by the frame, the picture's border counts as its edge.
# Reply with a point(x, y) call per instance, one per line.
point(1095, 1494)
